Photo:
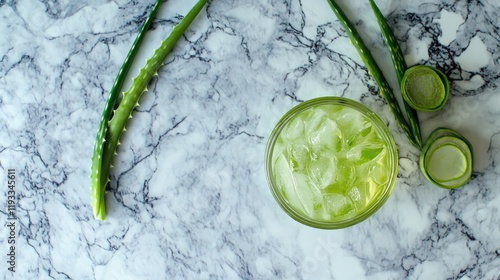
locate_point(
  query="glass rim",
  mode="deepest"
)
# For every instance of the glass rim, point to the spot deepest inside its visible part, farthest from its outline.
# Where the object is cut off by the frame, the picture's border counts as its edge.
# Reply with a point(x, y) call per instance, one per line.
point(384, 133)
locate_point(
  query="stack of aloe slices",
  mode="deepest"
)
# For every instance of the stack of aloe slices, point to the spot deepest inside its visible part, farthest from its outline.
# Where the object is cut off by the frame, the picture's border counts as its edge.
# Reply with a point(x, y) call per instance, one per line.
point(447, 157)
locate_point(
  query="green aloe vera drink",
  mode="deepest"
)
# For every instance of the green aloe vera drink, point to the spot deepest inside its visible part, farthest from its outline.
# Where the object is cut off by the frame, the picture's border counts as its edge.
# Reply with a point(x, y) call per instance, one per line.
point(331, 162)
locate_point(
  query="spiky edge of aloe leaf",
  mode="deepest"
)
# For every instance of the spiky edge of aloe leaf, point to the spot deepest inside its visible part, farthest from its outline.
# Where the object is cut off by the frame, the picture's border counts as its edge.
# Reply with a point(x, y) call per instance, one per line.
point(399, 66)
point(374, 70)
point(116, 126)
point(98, 183)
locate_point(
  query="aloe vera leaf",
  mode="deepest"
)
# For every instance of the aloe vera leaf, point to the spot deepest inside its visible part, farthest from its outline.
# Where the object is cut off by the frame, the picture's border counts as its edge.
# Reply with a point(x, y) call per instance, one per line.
point(98, 186)
point(374, 70)
point(392, 44)
point(400, 67)
point(131, 97)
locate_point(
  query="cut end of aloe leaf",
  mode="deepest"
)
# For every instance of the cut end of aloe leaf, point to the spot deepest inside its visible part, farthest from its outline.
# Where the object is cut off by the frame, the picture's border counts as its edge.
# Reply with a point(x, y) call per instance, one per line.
point(100, 214)
point(447, 163)
point(425, 88)
point(447, 159)
point(99, 209)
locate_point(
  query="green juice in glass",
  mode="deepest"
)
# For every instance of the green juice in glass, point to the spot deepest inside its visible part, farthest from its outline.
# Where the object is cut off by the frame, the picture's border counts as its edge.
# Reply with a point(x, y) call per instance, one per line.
point(331, 162)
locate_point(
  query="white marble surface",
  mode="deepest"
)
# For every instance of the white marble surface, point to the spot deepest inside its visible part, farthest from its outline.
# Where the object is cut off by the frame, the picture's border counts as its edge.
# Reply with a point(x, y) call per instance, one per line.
point(188, 197)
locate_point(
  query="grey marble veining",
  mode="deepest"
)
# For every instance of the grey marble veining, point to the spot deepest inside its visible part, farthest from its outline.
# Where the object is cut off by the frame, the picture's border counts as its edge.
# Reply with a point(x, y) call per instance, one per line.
point(188, 197)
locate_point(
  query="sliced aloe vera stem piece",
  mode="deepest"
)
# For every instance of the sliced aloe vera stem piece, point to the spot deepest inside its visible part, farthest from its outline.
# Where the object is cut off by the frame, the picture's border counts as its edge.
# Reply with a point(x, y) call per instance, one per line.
point(98, 182)
point(447, 163)
point(399, 66)
point(375, 72)
point(425, 88)
point(447, 159)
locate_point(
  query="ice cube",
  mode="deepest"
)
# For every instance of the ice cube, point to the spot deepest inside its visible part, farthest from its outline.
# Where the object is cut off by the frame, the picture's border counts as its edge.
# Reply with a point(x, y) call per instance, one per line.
point(379, 172)
point(285, 179)
point(362, 193)
point(294, 129)
point(323, 171)
point(343, 181)
point(327, 136)
point(308, 194)
point(314, 120)
point(355, 127)
point(354, 194)
point(300, 156)
point(358, 134)
point(372, 137)
point(338, 205)
point(345, 173)
point(364, 153)
point(279, 149)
